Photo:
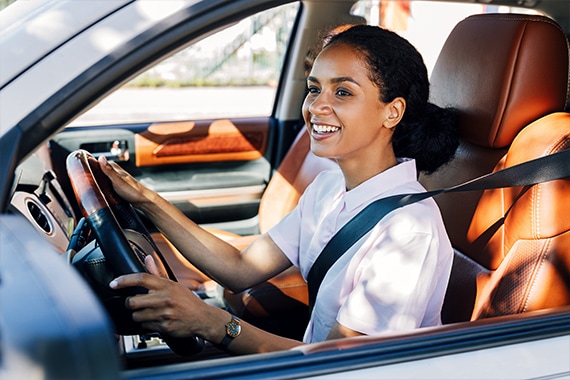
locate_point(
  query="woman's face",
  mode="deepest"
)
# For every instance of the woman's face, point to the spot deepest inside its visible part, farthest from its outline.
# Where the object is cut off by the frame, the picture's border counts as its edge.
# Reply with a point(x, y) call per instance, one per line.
point(343, 111)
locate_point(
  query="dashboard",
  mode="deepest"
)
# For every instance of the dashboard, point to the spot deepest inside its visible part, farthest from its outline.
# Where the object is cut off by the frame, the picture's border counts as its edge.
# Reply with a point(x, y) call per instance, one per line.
point(38, 195)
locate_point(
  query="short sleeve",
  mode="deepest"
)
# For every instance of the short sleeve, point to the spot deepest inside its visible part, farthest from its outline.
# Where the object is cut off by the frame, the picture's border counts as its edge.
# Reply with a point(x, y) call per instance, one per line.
point(286, 234)
point(394, 283)
point(296, 232)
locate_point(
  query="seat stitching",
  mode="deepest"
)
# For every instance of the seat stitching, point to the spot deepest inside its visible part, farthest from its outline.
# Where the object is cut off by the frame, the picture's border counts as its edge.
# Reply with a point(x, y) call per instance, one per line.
point(534, 276)
point(536, 206)
point(556, 146)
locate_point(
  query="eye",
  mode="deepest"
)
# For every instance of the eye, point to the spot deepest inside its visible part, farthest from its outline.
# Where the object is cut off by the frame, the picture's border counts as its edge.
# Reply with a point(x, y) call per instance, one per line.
point(313, 90)
point(342, 92)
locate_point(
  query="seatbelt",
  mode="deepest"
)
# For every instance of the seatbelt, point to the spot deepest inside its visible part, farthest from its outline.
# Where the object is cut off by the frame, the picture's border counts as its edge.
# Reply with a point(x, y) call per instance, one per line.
point(542, 169)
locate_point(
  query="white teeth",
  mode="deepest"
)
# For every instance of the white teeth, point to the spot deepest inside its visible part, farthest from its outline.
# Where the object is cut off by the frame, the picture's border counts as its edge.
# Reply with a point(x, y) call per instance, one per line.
point(324, 128)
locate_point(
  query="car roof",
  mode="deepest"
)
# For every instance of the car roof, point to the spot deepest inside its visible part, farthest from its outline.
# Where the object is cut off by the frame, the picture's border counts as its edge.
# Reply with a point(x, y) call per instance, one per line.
point(41, 26)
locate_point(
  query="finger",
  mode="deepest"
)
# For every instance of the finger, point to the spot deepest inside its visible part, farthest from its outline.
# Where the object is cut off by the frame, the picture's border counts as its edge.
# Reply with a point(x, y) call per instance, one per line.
point(195, 285)
point(151, 266)
point(109, 167)
point(128, 302)
point(157, 319)
point(136, 279)
point(104, 164)
point(145, 314)
point(118, 169)
point(140, 302)
point(103, 160)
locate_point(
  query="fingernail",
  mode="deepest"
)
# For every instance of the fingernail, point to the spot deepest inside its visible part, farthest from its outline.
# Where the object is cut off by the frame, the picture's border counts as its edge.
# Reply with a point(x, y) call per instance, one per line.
point(113, 284)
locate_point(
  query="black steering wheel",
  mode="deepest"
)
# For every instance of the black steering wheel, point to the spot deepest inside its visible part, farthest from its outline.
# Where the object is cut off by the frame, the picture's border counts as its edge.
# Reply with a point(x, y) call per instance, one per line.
point(120, 246)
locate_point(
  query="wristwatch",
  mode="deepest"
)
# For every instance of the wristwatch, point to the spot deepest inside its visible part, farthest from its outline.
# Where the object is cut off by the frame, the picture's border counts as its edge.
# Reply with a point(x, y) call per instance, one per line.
point(233, 329)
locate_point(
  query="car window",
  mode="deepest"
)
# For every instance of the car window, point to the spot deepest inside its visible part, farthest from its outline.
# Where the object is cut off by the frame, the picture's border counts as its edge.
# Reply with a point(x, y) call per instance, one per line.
point(232, 73)
point(425, 24)
point(5, 3)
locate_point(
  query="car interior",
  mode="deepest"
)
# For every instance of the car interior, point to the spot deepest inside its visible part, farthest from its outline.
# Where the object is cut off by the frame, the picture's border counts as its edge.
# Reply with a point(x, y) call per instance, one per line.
point(505, 260)
point(507, 75)
point(503, 255)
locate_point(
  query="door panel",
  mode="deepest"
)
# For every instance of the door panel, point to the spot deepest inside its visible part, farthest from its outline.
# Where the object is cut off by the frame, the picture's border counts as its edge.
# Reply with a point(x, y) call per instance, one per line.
point(215, 171)
point(201, 141)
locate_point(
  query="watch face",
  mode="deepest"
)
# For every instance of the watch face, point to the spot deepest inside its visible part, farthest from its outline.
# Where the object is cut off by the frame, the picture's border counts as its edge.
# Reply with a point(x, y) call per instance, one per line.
point(233, 328)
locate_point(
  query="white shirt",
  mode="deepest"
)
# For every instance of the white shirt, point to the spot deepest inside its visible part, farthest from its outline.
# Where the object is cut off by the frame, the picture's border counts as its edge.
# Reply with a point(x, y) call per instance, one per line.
point(394, 278)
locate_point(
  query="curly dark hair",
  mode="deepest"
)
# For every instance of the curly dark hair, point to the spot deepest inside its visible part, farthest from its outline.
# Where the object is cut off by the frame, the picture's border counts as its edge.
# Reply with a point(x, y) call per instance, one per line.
point(427, 133)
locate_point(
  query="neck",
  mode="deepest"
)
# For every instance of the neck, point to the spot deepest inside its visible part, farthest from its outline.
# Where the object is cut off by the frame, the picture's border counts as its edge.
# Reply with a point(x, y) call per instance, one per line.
point(356, 173)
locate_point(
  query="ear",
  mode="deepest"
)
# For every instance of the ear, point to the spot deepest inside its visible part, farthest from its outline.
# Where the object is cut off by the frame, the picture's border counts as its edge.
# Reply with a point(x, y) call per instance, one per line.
point(396, 109)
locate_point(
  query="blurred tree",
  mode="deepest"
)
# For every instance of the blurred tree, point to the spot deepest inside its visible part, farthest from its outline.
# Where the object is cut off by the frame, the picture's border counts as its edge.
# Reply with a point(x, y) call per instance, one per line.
point(5, 3)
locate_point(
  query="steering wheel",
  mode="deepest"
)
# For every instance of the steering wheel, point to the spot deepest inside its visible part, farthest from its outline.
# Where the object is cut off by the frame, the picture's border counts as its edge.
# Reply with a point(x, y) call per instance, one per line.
point(121, 244)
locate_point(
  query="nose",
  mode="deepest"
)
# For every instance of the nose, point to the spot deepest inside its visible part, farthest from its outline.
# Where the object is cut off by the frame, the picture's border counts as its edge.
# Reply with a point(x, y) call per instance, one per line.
point(317, 104)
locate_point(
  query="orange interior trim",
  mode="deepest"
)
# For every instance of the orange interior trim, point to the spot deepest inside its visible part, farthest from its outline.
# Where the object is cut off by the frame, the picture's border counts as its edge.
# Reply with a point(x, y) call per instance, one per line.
point(202, 141)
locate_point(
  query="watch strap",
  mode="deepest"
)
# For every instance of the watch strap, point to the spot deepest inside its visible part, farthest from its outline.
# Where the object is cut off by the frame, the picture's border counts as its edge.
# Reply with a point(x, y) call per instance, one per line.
point(226, 341)
point(229, 338)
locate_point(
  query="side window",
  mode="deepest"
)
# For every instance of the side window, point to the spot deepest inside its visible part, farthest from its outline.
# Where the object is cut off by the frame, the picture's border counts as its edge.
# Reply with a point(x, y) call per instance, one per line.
point(232, 73)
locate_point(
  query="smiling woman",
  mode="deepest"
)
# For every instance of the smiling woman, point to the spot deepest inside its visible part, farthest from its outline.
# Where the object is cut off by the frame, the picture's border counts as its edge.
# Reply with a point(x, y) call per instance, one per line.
point(356, 101)
point(351, 95)
point(415, 123)
point(508, 295)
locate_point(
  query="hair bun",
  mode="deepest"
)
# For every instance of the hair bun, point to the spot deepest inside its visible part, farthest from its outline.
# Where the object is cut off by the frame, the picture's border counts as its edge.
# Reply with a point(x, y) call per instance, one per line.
point(432, 142)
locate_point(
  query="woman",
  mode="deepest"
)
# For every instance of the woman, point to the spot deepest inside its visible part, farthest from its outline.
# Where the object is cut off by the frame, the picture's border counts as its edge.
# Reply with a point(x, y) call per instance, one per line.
point(367, 109)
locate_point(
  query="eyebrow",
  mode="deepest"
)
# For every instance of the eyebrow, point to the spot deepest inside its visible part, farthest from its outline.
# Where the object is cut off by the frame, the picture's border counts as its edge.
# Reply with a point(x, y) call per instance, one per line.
point(334, 80)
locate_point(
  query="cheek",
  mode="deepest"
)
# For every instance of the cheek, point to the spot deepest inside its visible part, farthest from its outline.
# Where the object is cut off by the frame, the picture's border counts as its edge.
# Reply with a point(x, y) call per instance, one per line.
point(305, 107)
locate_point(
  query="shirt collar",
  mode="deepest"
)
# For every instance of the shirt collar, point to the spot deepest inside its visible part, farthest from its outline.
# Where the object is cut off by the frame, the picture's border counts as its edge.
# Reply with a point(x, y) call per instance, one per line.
point(381, 183)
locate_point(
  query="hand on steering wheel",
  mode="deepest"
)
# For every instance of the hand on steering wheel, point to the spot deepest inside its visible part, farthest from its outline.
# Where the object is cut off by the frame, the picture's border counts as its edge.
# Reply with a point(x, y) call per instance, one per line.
point(123, 243)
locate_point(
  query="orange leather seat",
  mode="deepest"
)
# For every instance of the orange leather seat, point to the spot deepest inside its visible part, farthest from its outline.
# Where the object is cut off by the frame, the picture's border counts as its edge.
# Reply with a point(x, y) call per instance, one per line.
point(507, 75)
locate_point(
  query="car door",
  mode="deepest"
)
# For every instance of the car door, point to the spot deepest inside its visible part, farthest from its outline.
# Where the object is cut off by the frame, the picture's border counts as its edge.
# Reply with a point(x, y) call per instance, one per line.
point(197, 127)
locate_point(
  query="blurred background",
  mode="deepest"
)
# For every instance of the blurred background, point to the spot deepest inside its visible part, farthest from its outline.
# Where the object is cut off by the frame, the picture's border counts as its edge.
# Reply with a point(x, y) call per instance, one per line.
point(239, 67)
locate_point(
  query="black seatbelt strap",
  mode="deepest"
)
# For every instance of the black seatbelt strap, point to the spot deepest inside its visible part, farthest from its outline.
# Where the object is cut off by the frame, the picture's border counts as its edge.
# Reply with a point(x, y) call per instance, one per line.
point(542, 169)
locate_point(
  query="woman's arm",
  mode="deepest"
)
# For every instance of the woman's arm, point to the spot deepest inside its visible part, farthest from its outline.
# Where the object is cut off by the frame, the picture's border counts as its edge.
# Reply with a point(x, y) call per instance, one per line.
point(339, 331)
point(218, 259)
point(171, 308)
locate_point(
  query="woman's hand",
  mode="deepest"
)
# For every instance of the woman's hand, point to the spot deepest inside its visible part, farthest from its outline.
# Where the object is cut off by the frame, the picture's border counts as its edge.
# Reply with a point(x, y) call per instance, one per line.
point(175, 311)
point(124, 184)
point(168, 307)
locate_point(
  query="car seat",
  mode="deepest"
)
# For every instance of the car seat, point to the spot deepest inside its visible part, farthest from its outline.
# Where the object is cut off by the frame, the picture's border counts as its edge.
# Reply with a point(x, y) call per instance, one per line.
point(507, 75)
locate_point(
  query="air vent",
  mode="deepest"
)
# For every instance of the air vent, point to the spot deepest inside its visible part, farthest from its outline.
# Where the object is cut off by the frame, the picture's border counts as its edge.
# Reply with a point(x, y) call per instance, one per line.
point(39, 216)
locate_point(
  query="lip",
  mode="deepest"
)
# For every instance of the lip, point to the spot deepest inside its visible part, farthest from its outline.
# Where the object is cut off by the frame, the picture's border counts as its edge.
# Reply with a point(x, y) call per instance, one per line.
point(320, 130)
point(323, 128)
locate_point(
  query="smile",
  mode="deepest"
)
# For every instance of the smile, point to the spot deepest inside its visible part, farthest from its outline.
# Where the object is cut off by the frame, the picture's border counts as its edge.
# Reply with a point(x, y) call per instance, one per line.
point(318, 128)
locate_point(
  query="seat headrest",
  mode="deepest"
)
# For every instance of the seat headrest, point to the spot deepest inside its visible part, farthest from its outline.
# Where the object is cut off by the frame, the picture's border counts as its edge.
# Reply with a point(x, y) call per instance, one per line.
point(501, 72)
